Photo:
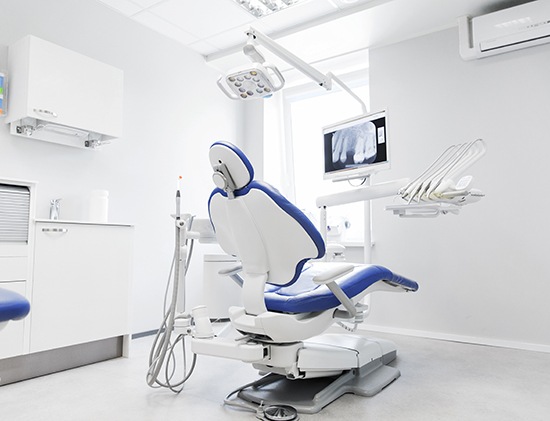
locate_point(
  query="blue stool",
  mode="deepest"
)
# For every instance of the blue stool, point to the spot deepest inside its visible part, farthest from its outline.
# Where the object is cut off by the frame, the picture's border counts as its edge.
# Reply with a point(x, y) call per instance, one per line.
point(13, 306)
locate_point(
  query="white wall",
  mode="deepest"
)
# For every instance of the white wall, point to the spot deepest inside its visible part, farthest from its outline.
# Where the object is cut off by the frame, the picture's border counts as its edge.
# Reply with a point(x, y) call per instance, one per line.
point(253, 134)
point(173, 111)
point(483, 275)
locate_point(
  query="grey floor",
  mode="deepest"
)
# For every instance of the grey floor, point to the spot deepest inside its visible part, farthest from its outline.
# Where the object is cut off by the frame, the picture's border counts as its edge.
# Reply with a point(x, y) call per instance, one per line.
point(439, 381)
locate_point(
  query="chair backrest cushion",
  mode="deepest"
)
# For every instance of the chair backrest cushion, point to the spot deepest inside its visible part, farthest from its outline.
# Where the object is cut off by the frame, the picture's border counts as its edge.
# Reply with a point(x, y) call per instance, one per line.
point(261, 227)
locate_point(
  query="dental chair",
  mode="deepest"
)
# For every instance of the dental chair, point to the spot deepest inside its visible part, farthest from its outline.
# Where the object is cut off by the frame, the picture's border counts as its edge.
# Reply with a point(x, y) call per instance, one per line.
point(290, 298)
point(13, 306)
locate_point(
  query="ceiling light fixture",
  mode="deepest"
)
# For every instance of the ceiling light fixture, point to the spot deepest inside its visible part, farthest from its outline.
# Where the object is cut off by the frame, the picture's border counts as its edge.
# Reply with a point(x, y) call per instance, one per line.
point(260, 8)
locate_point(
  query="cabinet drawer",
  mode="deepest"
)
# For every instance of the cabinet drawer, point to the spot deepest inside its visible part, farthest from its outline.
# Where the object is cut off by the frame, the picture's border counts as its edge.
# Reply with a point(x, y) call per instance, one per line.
point(13, 268)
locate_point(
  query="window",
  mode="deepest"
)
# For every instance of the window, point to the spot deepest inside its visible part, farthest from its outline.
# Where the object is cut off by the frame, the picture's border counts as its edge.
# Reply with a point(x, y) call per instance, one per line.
point(306, 110)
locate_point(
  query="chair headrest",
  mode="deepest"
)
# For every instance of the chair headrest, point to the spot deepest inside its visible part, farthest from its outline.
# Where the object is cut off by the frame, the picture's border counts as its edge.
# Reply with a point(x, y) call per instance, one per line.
point(225, 156)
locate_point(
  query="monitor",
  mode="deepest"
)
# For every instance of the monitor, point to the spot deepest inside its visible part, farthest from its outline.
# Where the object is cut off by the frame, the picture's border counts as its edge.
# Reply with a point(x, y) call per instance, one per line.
point(356, 148)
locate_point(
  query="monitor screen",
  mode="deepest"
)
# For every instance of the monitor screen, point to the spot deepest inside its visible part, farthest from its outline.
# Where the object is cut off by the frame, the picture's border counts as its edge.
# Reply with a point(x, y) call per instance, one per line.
point(357, 147)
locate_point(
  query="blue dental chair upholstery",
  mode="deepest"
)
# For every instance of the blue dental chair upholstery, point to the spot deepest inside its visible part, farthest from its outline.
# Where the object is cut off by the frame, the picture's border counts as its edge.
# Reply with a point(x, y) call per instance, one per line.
point(306, 296)
point(290, 298)
point(290, 287)
point(13, 306)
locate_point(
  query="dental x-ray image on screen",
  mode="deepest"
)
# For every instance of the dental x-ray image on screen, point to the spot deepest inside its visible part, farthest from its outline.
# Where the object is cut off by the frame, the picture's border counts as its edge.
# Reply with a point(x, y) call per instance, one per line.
point(356, 148)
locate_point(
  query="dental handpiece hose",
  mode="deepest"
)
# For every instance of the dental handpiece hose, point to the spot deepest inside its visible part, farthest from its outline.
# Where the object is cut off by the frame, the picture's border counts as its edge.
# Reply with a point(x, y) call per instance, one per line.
point(162, 356)
point(158, 355)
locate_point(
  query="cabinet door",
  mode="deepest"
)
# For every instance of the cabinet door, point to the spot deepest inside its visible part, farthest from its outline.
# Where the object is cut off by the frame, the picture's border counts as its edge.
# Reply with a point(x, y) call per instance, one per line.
point(71, 89)
point(12, 337)
point(81, 284)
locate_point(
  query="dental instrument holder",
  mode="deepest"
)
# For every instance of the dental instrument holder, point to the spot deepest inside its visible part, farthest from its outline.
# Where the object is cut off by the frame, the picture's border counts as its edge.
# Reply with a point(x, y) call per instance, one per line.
point(433, 192)
point(181, 258)
point(182, 223)
point(203, 326)
point(176, 320)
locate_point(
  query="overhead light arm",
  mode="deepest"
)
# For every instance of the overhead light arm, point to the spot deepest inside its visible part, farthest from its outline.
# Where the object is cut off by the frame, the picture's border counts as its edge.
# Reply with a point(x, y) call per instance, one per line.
point(321, 79)
point(290, 58)
point(252, 53)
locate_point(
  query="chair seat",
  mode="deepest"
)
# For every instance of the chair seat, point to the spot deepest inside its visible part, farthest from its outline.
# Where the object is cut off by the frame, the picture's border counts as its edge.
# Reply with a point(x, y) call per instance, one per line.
point(305, 296)
point(13, 306)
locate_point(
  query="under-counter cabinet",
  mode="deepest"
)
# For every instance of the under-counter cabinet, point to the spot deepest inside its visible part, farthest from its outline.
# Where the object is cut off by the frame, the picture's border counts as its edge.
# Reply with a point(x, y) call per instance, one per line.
point(15, 233)
point(12, 337)
point(81, 283)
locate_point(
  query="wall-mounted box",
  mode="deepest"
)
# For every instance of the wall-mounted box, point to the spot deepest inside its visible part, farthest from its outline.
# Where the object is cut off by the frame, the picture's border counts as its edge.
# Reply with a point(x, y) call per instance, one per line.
point(61, 96)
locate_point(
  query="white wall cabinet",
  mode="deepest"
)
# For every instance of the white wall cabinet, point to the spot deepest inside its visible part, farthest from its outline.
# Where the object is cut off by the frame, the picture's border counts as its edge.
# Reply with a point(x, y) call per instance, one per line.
point(62, 96)
point(81, 283)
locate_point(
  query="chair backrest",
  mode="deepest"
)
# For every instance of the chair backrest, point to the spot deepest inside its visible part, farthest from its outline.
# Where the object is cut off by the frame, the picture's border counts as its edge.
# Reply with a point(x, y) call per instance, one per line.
point(255, 223)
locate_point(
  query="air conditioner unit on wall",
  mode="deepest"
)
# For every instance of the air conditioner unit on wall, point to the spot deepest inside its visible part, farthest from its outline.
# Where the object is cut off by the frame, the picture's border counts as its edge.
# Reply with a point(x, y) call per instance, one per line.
point(506, 30)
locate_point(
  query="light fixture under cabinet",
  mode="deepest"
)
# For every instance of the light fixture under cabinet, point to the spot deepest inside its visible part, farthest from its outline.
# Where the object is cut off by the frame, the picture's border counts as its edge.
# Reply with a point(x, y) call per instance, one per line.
point(51, 132)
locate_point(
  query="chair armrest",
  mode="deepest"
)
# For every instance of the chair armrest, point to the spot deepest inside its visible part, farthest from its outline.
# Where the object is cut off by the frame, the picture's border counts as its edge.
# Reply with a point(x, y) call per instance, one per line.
point(328, 277)
point(332, 274)
point(231, 271)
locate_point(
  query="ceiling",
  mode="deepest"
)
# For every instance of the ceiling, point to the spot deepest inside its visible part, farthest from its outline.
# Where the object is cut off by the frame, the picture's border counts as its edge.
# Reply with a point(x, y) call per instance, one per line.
point(314, 30)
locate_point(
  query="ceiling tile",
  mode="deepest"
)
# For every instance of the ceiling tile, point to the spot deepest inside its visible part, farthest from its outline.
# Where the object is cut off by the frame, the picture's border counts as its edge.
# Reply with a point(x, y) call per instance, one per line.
point(203, 18)
point(165, 28)
point(125, 7)
point(236, 37)
point(203, 47)
point(146, 3)
point(345, 4)
point(346, 35)
point(231, 38)
point(299, 13)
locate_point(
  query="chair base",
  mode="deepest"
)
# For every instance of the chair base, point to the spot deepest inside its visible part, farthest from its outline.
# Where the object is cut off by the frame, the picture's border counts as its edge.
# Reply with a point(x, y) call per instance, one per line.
point(309, 396)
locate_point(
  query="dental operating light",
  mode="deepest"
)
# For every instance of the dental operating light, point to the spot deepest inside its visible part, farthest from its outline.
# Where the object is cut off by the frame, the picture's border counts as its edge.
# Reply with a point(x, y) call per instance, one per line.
point(263, 78)
point(256, 82)
point(259, 81)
